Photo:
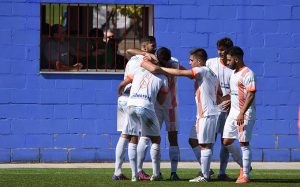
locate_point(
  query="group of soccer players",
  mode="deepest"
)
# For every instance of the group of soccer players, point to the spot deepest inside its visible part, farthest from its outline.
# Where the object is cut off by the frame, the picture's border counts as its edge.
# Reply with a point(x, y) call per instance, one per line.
point(224, 95)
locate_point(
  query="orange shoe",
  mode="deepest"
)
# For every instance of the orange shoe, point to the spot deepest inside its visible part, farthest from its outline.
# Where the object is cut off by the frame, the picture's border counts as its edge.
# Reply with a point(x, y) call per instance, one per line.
point(242, 180)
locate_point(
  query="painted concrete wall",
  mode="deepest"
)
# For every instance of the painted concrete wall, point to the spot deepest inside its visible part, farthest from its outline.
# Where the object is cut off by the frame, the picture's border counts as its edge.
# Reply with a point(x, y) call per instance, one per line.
point(72, 118)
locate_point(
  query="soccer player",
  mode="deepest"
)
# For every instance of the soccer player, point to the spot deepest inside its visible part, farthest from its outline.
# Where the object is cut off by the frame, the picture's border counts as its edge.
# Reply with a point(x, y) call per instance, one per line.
point(206, 89)
point(219, 67)
point(167, 113)
point(147, 44)
point(147, 88)
point(241, 118)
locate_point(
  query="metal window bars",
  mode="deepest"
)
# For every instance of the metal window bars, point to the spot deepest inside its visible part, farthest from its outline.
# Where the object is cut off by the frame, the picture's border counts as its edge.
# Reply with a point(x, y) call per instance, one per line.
point(91, 38)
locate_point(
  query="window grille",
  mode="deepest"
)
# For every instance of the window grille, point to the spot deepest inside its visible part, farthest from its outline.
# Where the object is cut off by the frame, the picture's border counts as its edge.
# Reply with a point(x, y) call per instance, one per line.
point(91, 38)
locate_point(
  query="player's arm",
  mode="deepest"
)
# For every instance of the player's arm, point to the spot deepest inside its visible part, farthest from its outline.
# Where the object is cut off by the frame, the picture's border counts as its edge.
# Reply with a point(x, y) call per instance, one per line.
point(132, 52)
point(177, 72)
point(123, 84)
point(249, 99)
point(182, 67)
point(151, 65)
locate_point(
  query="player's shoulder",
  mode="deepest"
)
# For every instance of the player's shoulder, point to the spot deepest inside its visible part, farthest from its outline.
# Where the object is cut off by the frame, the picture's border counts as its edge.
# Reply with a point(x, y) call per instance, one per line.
point(136, 58)
point(249, 72)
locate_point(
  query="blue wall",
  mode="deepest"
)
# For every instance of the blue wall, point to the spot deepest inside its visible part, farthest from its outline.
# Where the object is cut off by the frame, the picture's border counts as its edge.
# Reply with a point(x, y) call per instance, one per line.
point(72, 118)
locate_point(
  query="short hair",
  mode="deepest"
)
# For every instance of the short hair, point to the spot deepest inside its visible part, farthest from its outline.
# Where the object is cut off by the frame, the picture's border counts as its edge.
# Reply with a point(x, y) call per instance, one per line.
point(225, 42)
point(55, 28)
point(199, 53)
point(235, 51)
point(163, 54)
point(149, 39)
point(93, 33)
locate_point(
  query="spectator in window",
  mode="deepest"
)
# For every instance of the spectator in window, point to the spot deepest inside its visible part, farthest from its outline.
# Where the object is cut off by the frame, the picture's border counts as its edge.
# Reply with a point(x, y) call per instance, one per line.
point(59, 55)
point(114, 59)
point(96, 58)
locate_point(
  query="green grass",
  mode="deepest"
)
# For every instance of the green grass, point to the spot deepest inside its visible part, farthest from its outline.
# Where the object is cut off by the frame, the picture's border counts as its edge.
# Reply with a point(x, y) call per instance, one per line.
point(102, 177)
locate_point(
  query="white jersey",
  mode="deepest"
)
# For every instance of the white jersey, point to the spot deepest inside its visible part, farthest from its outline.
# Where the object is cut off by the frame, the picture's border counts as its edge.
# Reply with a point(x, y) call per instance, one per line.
point(132, 65)
point(145, 87)
point(206, 87)
point(172, 98)
point(222, 72)
point(241, 83)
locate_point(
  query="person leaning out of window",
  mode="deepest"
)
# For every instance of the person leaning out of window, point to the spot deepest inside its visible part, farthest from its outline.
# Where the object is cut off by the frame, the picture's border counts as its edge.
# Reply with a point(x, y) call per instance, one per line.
point(58, 54)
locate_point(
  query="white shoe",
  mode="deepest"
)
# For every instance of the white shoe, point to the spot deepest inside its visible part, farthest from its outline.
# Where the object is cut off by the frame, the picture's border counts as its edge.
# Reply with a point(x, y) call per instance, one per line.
point(134, 179)
point(199, 179)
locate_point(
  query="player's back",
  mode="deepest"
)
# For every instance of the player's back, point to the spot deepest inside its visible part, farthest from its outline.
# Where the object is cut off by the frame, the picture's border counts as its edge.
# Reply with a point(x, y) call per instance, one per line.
point(145, 87)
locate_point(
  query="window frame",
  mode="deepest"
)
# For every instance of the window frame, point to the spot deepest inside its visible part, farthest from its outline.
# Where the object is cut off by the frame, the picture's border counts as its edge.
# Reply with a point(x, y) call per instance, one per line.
point(45, 39)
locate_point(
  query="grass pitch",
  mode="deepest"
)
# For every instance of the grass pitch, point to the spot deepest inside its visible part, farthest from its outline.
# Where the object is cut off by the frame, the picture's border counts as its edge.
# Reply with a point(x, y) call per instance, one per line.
point(102, 178)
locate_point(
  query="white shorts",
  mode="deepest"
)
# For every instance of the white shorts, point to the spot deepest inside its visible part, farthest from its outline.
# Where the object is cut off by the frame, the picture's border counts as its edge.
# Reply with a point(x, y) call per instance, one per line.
point(243, 133)
point(221, 122)
point(141, 120)
point(121, 113)
point(169, 116)
point(205, 129)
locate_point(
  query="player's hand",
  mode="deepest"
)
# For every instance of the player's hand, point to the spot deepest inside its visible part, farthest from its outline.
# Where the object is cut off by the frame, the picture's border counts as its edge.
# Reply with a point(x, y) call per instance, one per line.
point(78, 65)
point(225, 105)
point(240, 119)
point(151, 57)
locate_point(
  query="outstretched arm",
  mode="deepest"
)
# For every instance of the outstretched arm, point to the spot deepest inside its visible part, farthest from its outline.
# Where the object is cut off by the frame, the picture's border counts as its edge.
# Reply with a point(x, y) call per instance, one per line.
point(151, 65)
point(132, 52)
point(177, 72)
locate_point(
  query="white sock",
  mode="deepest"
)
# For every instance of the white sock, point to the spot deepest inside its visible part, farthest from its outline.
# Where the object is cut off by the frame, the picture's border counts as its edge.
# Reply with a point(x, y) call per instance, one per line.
point(155, 156)
point(132, 155)
point(224, 156)
point(247, 157)
point(120, 155)
point(197, 153)
point(174, 154)
point(141, 152)
point(206, 155)
point(236, 154)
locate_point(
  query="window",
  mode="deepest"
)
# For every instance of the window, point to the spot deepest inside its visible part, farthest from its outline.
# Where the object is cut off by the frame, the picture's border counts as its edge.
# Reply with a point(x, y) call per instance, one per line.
point(91, 38)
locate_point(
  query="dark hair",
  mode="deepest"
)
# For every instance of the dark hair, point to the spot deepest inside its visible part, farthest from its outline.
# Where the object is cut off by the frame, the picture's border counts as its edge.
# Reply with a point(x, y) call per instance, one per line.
point(163, 54)
point(149, 39)
point(235, 51)
point(93, 33)
point(199, 53)
point(55, 28)
point(225, 42)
